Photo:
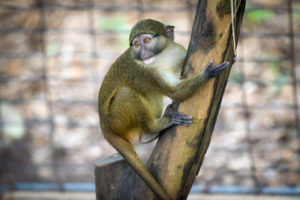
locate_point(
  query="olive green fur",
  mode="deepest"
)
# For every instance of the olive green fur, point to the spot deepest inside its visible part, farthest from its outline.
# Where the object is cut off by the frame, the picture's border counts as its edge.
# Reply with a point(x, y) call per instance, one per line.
point(127, 109)
point(147, 26)
point(130, 99)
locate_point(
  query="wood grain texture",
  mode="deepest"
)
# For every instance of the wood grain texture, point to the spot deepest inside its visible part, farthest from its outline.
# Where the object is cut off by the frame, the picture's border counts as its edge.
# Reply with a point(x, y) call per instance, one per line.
point(179, 152)
point(177, 166)
point(115, 179)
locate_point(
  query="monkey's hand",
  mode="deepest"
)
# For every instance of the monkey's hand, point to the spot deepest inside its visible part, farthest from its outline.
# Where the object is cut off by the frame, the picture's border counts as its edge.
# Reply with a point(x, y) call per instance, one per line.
point(177, 118)
point(214, 70)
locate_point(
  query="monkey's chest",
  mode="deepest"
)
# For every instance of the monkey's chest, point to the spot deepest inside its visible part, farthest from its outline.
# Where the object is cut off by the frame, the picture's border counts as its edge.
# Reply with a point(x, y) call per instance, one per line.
point(169, 77)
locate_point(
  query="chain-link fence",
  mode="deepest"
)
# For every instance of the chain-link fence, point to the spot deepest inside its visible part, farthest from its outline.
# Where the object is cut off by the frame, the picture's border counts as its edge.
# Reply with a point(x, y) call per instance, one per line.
point(54, 55)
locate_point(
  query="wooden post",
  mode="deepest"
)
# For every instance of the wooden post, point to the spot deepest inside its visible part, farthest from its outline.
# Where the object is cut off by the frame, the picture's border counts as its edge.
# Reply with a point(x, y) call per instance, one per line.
point(179, 152)
point(115, 179)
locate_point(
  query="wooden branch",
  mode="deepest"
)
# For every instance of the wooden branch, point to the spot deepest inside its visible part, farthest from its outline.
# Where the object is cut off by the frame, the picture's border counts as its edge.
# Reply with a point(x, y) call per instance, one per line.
point(177, 166)
point(179, 153)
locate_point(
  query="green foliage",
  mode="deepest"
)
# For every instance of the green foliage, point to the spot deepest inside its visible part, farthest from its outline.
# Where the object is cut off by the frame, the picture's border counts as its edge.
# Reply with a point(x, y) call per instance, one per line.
point(13, 128)
point(280, 82)
point(257, 16)
point(117, 24)
point(235, 77)
point(281, 77)
point(297, 14)
point(275, 66)
point(123, 41)
point(296, 6)
point(52, 49)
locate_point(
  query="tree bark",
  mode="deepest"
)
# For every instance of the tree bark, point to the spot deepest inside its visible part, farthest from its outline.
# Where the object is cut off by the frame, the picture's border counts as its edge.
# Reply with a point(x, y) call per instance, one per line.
point(179, 152)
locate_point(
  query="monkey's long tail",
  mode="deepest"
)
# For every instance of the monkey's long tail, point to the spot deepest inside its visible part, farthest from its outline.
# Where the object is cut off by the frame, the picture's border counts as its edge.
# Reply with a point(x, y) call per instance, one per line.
point(126, 149)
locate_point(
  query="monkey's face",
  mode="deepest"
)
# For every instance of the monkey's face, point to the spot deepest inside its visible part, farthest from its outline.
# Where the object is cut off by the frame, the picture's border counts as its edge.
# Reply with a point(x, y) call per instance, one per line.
point(147, 46)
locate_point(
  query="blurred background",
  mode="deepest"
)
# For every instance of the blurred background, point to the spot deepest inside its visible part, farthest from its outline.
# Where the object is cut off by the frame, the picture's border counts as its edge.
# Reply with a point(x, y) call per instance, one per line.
point(54, 55)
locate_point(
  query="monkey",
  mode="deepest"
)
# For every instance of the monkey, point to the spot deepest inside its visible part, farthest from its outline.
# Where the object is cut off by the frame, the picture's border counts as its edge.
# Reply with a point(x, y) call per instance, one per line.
point(130, 100)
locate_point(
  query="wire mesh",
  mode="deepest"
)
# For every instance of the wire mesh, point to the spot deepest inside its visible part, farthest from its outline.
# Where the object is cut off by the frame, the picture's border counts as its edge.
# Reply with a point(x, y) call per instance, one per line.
point(54, 55)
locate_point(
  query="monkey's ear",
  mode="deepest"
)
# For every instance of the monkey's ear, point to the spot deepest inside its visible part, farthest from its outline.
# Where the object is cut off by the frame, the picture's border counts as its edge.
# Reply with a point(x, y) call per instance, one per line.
point(169, 31)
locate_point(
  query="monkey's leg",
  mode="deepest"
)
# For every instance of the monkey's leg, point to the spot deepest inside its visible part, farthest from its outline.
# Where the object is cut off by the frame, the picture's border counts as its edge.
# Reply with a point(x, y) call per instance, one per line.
point(129, 111)
point(177, 118)
point(170, 118)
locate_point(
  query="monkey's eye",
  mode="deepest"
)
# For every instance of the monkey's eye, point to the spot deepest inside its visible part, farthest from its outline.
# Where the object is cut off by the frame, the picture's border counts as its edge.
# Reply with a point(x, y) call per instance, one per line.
point(137, 44)
point(147, 40)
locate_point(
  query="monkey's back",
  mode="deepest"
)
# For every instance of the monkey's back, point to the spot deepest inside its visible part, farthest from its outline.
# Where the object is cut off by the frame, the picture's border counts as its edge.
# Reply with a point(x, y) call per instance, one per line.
point(125, 74)
point(117, 75)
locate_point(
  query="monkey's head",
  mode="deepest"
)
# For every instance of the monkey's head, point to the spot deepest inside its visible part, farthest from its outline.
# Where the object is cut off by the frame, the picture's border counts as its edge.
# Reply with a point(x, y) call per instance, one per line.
point(148, 38)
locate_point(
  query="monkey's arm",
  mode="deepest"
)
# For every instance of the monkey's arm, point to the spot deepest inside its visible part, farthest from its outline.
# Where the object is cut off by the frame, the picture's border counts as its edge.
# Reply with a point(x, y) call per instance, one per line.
point(188, 86)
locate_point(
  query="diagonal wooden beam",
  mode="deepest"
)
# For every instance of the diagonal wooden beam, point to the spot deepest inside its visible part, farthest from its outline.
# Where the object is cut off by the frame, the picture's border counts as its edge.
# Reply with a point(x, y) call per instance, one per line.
point(179, 152)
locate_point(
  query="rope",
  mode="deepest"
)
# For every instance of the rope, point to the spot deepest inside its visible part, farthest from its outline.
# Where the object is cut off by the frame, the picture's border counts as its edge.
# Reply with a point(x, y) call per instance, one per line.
point(233, 3)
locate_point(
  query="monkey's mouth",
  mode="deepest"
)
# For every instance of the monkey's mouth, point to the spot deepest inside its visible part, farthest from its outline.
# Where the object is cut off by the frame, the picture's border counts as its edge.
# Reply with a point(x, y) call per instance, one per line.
point(149, 60)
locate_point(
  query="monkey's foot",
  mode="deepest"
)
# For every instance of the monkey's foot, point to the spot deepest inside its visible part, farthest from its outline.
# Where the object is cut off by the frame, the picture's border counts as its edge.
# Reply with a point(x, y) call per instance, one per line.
point(214, 70)
point(178, 118)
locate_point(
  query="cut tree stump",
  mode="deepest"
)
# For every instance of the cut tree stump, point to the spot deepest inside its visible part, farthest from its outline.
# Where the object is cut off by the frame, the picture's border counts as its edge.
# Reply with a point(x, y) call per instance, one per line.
point(179, 152)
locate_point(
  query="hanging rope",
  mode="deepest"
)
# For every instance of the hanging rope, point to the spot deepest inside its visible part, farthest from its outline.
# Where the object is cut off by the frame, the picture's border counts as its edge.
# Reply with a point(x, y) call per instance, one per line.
point(233, 10)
